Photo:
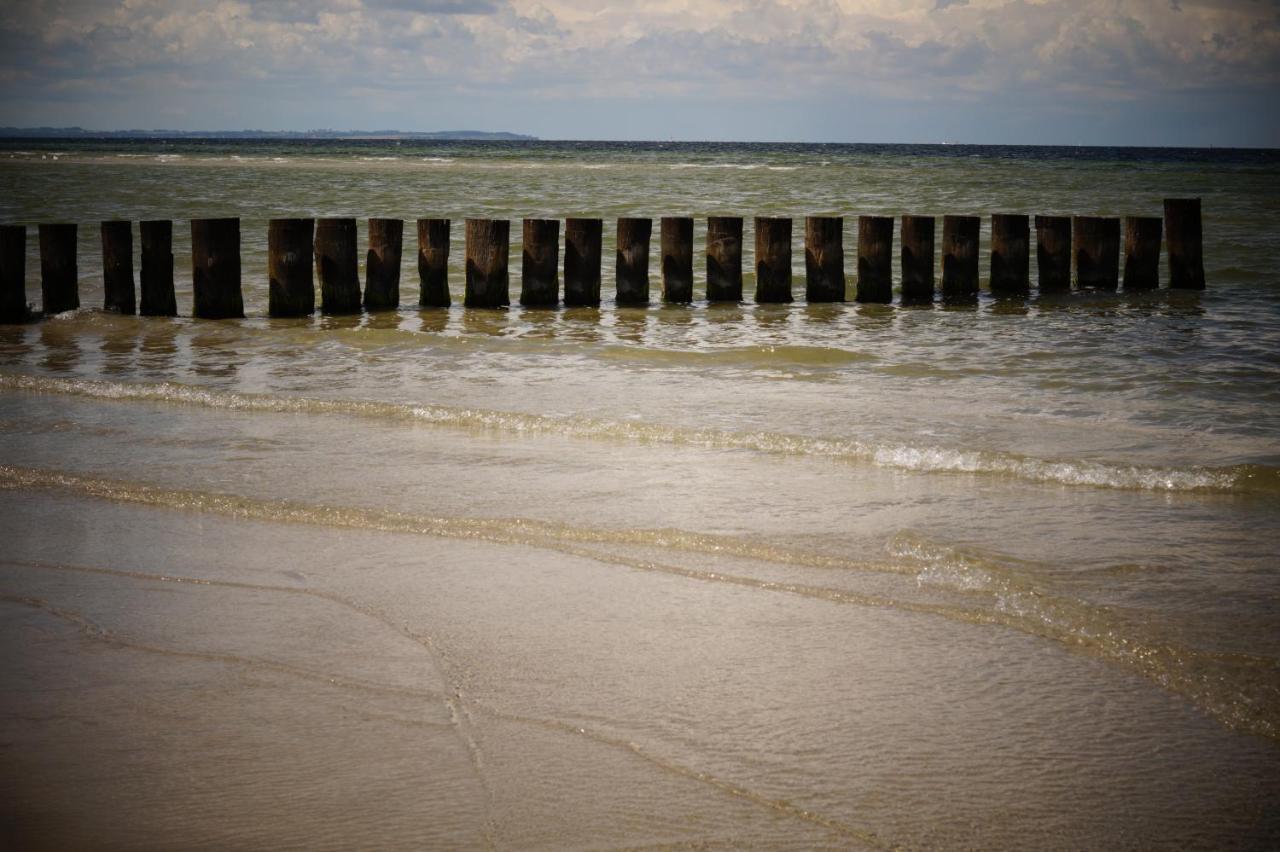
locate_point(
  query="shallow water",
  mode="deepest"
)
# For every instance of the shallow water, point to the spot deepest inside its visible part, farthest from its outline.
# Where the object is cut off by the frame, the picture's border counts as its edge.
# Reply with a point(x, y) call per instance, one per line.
point(775, 576)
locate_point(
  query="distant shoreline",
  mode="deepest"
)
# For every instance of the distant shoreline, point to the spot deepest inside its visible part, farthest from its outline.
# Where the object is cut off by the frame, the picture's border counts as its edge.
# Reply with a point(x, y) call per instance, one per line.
point(367, 135)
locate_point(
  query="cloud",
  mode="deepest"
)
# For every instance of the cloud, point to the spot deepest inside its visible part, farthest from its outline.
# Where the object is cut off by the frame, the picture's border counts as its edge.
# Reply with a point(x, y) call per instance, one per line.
point(437, 7)
point(341, 62)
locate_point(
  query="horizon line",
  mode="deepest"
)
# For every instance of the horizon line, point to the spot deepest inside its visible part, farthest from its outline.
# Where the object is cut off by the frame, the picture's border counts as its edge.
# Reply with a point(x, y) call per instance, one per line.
point(75, 131)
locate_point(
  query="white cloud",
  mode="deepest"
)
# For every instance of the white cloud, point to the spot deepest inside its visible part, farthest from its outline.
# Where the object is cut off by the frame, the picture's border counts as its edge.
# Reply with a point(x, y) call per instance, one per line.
point(734, 51)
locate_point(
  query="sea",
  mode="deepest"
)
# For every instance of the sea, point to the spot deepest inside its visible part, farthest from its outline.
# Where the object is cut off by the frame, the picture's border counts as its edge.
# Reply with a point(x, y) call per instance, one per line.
point(1002, 575)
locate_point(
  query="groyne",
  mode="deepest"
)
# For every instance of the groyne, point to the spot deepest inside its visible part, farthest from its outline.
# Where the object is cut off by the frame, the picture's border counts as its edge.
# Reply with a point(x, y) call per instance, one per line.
point(1084, 252)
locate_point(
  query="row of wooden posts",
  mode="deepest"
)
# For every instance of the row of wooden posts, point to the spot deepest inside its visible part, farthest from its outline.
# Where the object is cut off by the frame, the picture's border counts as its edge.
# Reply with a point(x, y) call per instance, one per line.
point(293, 245)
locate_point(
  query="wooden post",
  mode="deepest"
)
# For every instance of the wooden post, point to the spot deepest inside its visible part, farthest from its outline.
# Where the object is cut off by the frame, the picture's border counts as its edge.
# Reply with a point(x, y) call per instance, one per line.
point(540, 263)
point(1184, 236)
point(824, 259)
point(336, 266)
point(632, 266)
point(13, 274)
point(1053, 253)
point(215, 268)
point(59, 276)
point(117, 268)
point(724, 259)
point(382, 265)
point(155, 280)
point(1096, 245)
point(917, 260)
point(959, 258)
point(433, 263)
point(292, 290)
point(582, 262)
point(677, 259)
point(773, 260)
point(875, 259)
point(1142, 252)
point(487, 244)
point(1010, 255)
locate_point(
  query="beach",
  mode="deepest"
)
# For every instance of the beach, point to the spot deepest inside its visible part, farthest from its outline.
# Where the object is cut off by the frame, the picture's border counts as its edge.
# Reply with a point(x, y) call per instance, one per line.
point(845, 575)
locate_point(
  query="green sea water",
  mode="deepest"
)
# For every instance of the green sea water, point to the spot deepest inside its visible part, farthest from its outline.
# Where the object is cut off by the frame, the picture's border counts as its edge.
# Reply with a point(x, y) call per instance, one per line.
point(999, 575)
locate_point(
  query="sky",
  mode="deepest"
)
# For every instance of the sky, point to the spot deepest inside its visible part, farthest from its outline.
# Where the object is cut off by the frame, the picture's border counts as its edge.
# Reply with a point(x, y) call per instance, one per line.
point(1071, 72)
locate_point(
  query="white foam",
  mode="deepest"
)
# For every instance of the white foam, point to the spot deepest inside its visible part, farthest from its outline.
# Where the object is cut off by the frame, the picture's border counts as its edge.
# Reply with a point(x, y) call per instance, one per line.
point(925, 459)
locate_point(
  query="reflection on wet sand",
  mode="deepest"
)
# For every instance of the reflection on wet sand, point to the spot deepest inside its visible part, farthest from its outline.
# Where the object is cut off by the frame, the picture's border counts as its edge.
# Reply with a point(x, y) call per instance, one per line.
point(213, 348)
point(158, 346)
point(15, 344)
point(491, 322)
point(61, 346)
point(629, 324)
point(433, 320)
point(119, 344)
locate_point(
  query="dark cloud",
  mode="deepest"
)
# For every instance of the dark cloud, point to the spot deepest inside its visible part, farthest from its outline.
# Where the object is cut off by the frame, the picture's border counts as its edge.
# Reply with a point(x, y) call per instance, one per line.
point(437, 7)
point(286, 11)
point(307, 11)
point(931, 57)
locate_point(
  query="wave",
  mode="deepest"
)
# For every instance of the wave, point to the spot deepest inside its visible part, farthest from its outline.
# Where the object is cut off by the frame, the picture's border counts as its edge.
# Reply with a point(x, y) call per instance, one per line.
point(1241, 691)
point(745, 357)
point(493, 530)
point(1231, 479)
point(746, 167)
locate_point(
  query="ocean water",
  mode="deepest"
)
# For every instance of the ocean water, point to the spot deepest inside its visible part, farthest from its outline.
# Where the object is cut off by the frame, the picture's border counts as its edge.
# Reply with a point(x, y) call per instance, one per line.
point(764, 576)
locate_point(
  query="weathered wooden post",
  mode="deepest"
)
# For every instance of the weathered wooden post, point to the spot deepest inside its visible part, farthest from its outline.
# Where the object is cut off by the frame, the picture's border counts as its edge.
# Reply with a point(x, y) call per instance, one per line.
point(677, 259)
point(959, 258)
point(215, 269)
point(875, 259)
point(724, 259)
point(917, 260)
point(1142, 252)
point(117, 268)
point(540, 263)
point(1183, 234)
point(824, 259)
point(1053, 253)
point(487, 244)
point(382, 265)
point(292, 290)
point(433, 263)
point(773, 260)
point(633, 260)
point(59, 275)
point(336, 266)
point(13, 274)
point(582, 238)
point(1096, 245)
point(1010, 255)
point(155, 280)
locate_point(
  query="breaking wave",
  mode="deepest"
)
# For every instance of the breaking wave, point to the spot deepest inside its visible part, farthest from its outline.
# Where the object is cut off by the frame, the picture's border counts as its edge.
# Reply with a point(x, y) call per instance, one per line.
point(1240, 478)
